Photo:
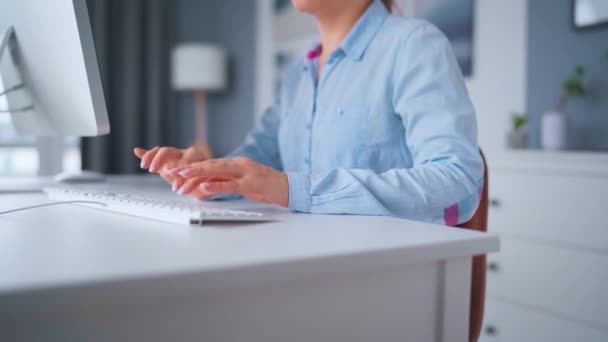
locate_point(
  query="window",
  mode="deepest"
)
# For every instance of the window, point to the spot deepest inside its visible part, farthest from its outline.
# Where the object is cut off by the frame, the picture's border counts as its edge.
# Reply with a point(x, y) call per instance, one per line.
point(18, 155)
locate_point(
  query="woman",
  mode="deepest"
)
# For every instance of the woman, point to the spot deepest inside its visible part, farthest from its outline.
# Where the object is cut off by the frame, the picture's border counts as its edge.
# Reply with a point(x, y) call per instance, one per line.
point(375, 120)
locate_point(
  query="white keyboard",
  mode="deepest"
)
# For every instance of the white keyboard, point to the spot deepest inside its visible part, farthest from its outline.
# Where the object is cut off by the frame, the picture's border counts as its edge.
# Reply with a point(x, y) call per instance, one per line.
point(180, 212)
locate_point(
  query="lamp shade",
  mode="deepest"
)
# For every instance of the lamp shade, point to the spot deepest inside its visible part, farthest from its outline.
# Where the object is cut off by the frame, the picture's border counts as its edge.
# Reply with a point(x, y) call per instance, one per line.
point(199, 67)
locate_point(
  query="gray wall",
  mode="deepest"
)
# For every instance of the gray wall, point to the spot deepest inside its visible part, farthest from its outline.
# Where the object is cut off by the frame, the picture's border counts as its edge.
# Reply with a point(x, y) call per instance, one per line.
point(554, 49)
point(231, 24)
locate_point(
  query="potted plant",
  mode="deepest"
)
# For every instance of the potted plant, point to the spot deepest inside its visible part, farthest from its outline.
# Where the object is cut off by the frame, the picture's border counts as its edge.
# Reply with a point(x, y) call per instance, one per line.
point(518, 137)
point(553, 123)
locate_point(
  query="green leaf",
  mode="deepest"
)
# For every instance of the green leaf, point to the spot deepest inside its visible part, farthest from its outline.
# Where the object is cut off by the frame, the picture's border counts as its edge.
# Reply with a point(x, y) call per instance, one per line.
point(519, 120)
point(574, 87)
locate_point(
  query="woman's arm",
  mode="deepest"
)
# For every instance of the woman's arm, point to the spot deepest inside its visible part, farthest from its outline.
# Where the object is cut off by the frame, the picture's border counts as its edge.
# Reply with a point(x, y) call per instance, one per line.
point(261, 144)
point(443, 185)
point(439, 120)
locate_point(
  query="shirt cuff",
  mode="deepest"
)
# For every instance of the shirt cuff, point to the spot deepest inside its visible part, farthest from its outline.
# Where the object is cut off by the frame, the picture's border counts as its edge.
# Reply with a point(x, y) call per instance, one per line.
point(299, 192)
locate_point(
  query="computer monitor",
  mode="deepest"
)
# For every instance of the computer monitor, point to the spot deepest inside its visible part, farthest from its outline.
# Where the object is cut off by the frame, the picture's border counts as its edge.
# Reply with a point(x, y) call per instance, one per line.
point(49, 69)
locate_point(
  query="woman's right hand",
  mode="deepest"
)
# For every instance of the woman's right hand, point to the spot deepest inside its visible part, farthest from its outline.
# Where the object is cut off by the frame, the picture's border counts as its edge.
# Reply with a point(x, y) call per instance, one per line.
point(162, 160)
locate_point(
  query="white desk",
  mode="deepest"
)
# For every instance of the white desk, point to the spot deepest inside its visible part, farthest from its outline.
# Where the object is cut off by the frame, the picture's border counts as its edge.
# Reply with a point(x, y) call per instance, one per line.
point(71, 274)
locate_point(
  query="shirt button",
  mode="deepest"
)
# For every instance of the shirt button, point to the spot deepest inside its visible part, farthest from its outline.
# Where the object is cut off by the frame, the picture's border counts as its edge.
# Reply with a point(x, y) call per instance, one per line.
point(308, 127)
point(307, 161)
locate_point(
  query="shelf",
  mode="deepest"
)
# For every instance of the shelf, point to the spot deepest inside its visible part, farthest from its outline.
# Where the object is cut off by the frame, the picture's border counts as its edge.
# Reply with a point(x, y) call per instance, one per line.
point(582, 163)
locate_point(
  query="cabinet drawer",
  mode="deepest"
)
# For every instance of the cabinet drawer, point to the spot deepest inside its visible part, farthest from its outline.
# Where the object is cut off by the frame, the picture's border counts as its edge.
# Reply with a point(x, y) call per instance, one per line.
point(505, 322)
point(560, 280)
point(563, 208)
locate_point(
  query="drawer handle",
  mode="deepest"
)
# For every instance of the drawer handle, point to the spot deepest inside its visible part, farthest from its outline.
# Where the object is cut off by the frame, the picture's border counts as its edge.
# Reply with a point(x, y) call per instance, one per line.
point(491, 330)
point(493, 267)
point(495, 203)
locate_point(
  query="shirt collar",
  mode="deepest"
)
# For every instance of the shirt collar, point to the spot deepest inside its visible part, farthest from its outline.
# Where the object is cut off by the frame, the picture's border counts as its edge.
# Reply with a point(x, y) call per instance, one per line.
point(361, 34)
point(357, 41)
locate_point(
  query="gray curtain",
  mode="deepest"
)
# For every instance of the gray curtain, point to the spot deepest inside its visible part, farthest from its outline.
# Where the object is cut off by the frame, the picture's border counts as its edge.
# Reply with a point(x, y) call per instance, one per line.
point(133, 40)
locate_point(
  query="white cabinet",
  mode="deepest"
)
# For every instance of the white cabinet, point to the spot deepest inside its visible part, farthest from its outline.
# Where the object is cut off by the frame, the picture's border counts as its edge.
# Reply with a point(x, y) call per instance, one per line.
point(567, 282)
point(548, 283)
point(562, 208)
point(508, 322)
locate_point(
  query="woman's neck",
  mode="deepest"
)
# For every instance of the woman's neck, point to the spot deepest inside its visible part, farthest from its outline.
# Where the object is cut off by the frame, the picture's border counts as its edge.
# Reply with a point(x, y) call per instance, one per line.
point(335, 24)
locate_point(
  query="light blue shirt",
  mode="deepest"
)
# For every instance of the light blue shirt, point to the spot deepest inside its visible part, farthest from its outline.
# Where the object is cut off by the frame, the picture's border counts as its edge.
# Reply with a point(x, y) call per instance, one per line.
point(388, 129)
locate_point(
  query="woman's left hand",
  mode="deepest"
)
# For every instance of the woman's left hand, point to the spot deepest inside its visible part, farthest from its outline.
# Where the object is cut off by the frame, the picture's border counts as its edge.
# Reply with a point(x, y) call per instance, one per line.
point(239, 175)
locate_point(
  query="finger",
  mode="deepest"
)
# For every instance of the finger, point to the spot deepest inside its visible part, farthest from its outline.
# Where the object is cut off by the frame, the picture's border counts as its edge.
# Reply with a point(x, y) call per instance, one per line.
point(190, 185)
point(177, 183)
point(163, 156)
point(139, 152)
point(190, 156)
point(170, 178)
point(214, 168)
point(200, 193)
point(215, 188)
point(147, 158)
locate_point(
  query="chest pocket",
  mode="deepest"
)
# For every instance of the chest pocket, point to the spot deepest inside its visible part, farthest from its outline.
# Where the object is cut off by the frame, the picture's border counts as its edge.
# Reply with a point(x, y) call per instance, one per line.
point(340, 134)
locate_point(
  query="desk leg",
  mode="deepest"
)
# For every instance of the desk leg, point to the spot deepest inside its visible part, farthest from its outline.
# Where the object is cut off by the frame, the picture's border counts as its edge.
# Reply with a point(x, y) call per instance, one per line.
point(456, 298)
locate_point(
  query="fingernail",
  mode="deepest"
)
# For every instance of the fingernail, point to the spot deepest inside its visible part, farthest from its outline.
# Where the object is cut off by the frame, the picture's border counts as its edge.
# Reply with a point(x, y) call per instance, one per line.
point(174, 187)
point(181, 190)
point(175, 171)
point(153, 167)
point(141, 165)
point(185, 172)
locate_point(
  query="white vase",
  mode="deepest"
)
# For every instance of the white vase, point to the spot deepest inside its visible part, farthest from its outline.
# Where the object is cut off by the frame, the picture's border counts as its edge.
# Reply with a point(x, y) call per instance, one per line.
point(553, 131)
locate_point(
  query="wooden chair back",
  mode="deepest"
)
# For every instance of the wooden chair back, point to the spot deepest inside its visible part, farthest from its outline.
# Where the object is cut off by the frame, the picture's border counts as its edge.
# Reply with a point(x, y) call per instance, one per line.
point(478, 222)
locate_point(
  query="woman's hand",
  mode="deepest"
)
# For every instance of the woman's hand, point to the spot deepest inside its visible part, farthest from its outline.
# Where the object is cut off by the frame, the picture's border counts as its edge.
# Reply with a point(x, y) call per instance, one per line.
point(163, 159)
point(241, 176)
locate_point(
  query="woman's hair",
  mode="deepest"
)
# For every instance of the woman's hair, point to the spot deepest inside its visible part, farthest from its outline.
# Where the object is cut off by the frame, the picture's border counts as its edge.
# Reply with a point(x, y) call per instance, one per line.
point(388, 4)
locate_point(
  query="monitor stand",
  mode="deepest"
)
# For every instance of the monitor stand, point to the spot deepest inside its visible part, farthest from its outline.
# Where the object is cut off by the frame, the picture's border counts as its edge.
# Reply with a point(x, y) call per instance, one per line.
point(82, 177)
point(25, 185)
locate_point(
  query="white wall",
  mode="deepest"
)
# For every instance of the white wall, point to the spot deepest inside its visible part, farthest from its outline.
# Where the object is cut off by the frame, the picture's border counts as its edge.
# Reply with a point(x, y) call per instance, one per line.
point(295, 35)
point(499, 81)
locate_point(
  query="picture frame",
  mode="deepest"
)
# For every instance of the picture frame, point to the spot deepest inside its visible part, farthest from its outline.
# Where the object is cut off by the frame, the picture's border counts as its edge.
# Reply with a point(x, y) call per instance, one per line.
point(575, 8)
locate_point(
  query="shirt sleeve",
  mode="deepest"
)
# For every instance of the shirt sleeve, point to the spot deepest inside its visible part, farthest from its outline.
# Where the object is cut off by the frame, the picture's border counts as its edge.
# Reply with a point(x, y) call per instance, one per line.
point(261, 144)
point(444, 183)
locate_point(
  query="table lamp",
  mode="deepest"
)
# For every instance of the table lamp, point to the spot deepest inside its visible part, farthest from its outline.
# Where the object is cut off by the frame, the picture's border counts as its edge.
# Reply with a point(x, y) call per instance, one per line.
point(200, 68)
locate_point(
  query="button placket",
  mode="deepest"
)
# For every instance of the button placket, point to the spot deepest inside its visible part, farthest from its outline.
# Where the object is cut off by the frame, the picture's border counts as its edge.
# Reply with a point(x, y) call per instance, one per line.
point(313, 113)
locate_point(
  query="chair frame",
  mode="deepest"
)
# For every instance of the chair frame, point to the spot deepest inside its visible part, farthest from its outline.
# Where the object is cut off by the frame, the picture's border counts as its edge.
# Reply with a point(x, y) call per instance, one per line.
point(479, 222)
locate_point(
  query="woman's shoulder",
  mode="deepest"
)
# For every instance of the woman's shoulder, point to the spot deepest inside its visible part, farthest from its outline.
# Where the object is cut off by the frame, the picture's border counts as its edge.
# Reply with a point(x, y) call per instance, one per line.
point(292, 71)
point(399, 29)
